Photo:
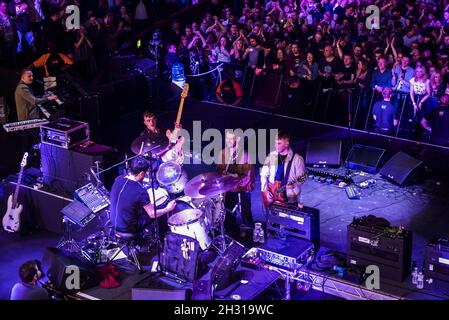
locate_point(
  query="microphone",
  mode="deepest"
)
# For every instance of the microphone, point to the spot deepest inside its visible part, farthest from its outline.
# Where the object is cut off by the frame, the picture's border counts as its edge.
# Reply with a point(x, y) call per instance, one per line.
point(326, 90)
point(95, 176)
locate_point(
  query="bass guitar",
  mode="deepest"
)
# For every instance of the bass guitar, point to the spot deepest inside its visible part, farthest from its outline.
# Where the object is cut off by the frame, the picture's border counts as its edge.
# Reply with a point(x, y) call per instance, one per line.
point(11, 220)
point(174, 151)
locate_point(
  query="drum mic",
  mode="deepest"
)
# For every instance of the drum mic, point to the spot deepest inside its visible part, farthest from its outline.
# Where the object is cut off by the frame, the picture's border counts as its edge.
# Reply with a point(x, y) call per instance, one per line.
point(95, 176)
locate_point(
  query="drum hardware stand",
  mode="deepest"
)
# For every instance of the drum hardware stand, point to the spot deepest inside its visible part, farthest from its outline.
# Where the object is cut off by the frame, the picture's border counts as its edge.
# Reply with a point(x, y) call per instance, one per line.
point(68, 244)
point(158, 242)
point(222, 238)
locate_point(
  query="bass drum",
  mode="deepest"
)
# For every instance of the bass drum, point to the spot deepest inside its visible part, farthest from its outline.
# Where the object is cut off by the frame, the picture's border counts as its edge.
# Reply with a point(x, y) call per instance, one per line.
point(172, 177)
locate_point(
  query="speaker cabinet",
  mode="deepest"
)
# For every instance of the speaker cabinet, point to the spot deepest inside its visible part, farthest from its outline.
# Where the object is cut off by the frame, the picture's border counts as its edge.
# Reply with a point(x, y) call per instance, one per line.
point(401, 168)
point(364, 158)
point(59, 267)
point(323, 153)
point(67, 170)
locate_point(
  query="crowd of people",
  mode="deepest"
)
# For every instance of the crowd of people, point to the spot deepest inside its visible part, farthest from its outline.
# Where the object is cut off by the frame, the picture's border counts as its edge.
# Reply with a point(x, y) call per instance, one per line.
point(322, 51)
point(30, 29)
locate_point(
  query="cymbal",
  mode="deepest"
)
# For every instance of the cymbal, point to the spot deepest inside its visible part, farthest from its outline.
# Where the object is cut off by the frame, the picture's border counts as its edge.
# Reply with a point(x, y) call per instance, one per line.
point(209, 185)
point(153, 146)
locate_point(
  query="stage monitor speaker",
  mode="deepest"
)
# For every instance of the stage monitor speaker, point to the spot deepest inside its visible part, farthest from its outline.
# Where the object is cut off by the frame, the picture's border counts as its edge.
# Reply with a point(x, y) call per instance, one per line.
point(224, 270)
point(59, 267)
point(401, 168)
point(364, 158)
point(323, 153)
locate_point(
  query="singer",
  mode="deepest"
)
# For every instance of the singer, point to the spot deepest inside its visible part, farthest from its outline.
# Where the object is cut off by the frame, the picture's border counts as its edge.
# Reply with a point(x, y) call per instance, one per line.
point(234, 160)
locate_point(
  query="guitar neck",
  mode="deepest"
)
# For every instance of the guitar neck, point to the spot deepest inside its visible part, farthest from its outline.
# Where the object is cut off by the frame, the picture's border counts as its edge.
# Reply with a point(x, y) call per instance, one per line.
point(16, 191)
point(181, 107)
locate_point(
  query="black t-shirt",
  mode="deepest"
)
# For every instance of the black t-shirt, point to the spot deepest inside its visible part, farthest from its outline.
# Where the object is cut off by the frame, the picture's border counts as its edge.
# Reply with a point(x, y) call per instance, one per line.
point(331, 67)
point(347, 72)
point(439, 122)
point(385, 113)
point(128, 197)
point(155, 137)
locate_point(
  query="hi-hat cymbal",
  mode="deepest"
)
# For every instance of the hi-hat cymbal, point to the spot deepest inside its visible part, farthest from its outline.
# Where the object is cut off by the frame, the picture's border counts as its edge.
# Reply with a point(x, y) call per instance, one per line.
point(209, 185)
point(143, 145)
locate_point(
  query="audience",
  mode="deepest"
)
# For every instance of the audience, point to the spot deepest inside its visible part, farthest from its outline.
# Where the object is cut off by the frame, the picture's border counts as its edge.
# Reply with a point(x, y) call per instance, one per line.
point(310, 45)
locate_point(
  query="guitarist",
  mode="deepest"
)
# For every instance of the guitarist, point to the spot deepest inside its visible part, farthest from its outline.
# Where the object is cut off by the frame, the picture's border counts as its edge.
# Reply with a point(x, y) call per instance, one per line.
point(153, 132)
point(282, 168)
point(235, 161)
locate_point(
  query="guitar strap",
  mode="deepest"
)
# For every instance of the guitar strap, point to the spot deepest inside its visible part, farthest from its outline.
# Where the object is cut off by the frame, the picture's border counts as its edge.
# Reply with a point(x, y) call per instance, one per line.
point(287, 173)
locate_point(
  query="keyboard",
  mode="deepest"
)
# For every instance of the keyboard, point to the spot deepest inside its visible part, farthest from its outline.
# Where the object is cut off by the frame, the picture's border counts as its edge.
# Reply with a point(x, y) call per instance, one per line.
point(353, 192)
point(24, 125)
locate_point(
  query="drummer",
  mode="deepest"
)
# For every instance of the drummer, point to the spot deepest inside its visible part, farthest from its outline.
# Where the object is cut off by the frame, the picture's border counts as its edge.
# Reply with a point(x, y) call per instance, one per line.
point(235, 161)
point(128, 198)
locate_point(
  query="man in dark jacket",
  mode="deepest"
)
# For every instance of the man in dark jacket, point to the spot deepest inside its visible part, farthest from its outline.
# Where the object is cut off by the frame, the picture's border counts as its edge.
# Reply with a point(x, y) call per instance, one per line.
point(26, 102)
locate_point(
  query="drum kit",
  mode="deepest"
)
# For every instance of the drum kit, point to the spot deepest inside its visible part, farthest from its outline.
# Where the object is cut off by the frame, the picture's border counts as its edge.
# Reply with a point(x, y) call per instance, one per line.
point(200, 211)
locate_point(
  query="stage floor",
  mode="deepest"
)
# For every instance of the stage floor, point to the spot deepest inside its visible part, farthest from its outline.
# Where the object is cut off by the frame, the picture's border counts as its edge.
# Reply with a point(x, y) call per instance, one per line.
point(421, 208)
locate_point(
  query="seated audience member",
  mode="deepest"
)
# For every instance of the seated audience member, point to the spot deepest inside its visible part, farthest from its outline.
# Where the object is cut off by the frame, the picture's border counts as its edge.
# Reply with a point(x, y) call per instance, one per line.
point(28, 289)
point(229, 91)
point(385, 114)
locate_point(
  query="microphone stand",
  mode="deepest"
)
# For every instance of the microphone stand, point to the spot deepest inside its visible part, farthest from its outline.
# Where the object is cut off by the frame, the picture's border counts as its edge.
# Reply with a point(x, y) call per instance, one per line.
point(350, 143)
point(158, 241)
point(350, 140)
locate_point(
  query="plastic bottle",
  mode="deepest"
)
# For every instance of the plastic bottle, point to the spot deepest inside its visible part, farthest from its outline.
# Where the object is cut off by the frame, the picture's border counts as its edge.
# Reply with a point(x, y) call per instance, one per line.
point(261, 235)
point(420, 284)
point(256, 232)
point(415, 275)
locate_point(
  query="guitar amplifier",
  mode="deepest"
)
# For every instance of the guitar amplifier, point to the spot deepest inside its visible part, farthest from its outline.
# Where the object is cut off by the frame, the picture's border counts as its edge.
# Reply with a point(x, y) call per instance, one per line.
point(436, 262)
point(371, 241)
point(289, 220)
point(65, 133)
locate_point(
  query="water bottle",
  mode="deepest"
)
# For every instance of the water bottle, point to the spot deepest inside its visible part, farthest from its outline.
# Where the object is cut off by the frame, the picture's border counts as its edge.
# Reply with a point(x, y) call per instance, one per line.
point(256, 232)
point(261, 235)
point(415, 276)
point(420, 284)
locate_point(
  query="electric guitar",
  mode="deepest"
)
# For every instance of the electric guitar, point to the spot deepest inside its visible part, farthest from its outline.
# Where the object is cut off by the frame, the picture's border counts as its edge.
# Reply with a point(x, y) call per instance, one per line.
point(11, 220)
point(277, 191)
point(174, 151)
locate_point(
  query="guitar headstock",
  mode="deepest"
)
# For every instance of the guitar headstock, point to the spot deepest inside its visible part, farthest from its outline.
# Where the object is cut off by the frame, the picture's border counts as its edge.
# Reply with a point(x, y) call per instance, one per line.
point(24, 160)
point(185, 91)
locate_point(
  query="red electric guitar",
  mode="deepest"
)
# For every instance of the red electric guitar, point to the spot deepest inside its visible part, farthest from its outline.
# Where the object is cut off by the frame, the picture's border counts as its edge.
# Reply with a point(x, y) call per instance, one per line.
point(277, 191)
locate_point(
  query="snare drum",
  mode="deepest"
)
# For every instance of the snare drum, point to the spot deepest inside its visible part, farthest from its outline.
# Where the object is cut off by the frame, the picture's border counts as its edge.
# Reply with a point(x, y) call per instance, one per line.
point(190, 222)
point(172, 177)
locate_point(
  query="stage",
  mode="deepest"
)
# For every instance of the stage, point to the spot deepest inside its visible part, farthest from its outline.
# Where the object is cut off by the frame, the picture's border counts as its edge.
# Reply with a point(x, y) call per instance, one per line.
point(421, 208)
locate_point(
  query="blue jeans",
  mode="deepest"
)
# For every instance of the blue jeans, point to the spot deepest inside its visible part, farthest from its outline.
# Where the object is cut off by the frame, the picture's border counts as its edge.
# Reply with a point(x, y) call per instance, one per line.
point(29, 37)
